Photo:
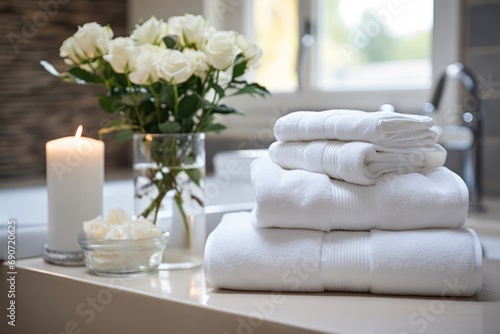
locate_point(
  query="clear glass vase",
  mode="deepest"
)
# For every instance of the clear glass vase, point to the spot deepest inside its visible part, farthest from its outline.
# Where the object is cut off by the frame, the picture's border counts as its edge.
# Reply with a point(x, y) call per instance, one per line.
point(168, 177)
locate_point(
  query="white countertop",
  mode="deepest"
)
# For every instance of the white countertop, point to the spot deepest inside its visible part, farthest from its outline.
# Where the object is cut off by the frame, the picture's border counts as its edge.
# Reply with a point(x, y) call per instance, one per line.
point(55, 299)
point(50, 297)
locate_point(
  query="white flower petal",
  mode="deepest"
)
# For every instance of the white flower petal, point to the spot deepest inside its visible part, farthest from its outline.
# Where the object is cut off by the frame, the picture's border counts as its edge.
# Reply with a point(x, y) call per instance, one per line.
point(221, 49)
point(150, 32)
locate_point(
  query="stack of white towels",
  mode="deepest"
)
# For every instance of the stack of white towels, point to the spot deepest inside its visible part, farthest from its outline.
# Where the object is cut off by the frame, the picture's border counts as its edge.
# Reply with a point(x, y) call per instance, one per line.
point(350, 201)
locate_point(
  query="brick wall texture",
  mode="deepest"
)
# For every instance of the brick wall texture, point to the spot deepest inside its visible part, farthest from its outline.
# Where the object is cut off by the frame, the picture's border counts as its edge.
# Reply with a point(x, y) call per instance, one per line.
point(35, 106)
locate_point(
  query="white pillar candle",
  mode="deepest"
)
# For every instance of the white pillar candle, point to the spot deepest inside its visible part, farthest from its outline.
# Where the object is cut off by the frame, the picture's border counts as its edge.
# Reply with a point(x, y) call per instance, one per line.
point(75, 176)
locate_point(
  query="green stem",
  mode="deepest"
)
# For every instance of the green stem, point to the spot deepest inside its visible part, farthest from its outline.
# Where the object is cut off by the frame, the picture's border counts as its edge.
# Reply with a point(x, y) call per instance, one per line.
point(157, 102)
point(163, 187)
point(136, 107)
point(176, 101)
point(178, 201)
point(167, 183)
point(206, 85)
point(155, 205)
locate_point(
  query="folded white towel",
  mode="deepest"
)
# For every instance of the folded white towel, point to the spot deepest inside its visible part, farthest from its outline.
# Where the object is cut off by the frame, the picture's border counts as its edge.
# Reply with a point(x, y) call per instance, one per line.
point(436, 198)
point(356, 162)
point(384, 128)
point(422, 262)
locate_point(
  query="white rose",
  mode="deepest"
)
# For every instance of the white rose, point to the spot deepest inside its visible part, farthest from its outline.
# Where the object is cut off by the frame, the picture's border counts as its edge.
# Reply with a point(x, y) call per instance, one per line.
point(90, 41)
point(90, 67)
point(121, 42)
point(251, 51)
point(150, 32)
point(145, 72)
point(96, 228)
point(221, 49)
point(175, 66)
point(122, 54)
point(190, 28)
point(71, 52)
point(198, 60)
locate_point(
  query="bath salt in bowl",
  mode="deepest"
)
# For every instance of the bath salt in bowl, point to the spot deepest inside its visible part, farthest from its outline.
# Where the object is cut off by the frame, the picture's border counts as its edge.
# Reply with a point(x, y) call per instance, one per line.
point(120, 246)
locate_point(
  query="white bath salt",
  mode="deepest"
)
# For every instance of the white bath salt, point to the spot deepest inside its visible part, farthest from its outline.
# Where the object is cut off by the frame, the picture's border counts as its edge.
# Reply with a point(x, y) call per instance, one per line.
point(118, 232)
point(119, 226)
point(117, 217)
point(96, 228)
point(143, 228)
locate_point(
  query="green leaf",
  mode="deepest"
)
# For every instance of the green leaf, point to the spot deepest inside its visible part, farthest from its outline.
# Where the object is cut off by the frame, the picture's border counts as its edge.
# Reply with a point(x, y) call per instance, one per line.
point(110, 104)
point(194, 84)
point(113, 123)
point(240, 65)
point(224, 109)
point(134, 99)
point(167, 95)
point(107, 71)
point(121, 80)
point(170, 41)
point(218, 89)
point(149, 118)
point(194, 175)
point(188, 106)
point(85, 76)
point(170, 127)
point(116, 124)
point(123, 135)
point(214, 127)
point(252, 89)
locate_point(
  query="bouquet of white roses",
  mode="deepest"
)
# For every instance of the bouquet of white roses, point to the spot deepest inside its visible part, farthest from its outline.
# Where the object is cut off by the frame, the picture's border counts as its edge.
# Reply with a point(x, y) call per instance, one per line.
point(167, 77)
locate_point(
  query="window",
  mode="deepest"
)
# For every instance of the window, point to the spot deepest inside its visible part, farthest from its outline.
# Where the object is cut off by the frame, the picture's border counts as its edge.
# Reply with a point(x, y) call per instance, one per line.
point(374, 44)
point(363, 44)
point(275, 28)
point(323, 54)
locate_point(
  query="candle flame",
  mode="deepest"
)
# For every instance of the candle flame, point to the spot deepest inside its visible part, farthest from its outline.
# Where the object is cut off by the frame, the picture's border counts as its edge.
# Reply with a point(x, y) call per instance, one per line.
point(78, 133)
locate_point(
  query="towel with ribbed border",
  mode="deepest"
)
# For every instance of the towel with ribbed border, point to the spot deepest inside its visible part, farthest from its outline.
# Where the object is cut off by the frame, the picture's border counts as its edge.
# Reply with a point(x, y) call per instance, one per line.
point(355, 162)
point(437, 198)
point(437, 262)
point(381, 127)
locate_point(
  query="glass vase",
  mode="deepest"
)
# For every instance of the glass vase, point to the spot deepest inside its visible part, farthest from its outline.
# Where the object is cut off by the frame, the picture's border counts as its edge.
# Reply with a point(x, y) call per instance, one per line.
point(168, 178)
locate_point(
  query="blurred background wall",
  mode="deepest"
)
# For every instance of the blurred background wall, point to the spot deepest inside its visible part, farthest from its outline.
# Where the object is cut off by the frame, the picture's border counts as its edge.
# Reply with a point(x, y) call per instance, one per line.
point(35, 107)
point(482, 55)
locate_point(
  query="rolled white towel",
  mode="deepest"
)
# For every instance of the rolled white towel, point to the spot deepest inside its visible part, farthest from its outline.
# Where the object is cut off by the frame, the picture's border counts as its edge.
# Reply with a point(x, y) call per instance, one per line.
point(356, 162)
point(437, 198)
point(383, 128)
point(422, 262)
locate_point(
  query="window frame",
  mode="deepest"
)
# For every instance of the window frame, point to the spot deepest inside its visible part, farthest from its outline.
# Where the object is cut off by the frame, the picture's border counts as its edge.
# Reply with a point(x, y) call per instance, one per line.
point(260, 113)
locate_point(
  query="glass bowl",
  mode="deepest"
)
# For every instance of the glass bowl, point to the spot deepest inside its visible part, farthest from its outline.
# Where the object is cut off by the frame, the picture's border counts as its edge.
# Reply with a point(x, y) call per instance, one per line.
point(132, 257)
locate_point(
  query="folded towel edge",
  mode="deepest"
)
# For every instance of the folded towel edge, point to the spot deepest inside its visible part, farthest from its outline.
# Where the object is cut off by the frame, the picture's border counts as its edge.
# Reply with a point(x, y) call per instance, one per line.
point(478, 272)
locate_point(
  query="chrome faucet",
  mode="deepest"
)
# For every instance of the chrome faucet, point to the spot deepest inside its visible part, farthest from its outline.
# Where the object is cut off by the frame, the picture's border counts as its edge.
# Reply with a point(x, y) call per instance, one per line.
point(472, 119)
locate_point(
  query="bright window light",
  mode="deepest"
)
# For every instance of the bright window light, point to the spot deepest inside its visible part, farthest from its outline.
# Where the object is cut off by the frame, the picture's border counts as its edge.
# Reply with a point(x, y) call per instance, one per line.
point(374, 44)
point(276, 26)
point(359, 45)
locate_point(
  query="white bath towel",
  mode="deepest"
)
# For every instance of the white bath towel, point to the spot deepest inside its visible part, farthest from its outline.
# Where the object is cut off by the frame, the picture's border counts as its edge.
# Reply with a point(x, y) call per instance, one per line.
point(383, 128)
point(437, 198)
point(356, 162)
point(423, 262)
